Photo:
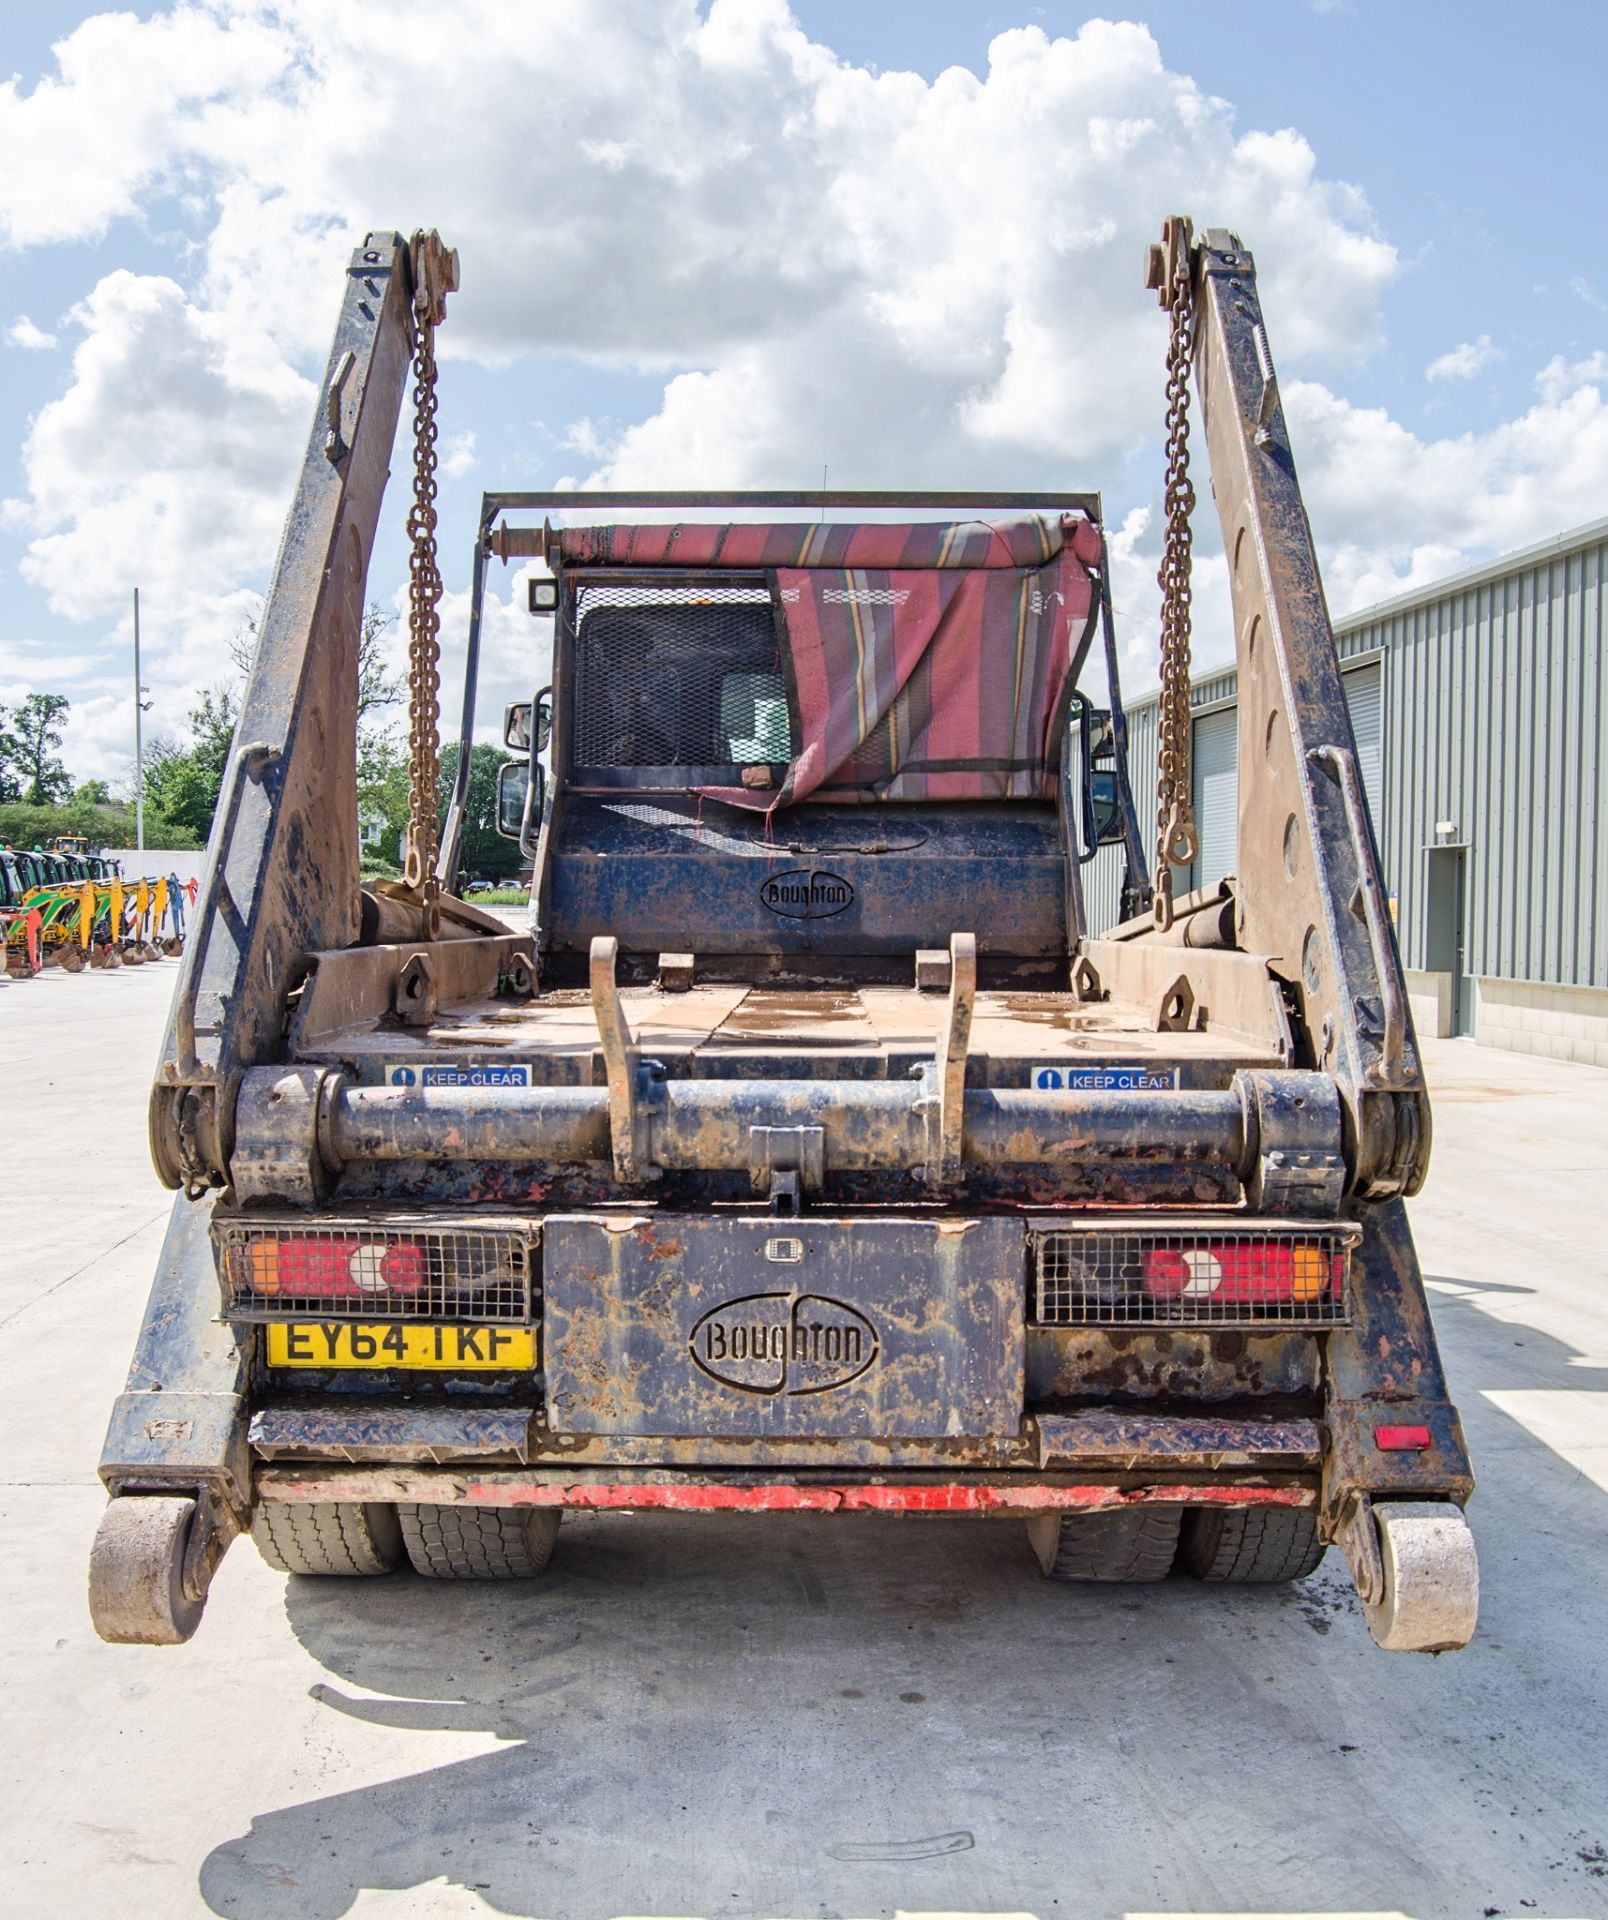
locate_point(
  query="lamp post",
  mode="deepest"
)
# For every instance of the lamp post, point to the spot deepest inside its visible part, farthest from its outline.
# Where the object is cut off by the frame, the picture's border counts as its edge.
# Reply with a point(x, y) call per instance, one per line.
point(139, 745)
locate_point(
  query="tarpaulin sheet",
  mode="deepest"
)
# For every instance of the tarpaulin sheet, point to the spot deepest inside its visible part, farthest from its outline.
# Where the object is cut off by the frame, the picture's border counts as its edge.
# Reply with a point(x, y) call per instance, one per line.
point(923, 662)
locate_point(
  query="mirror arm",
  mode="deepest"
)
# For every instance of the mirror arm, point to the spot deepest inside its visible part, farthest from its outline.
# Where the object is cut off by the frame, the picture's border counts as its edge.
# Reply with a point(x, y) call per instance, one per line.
point(452, 832)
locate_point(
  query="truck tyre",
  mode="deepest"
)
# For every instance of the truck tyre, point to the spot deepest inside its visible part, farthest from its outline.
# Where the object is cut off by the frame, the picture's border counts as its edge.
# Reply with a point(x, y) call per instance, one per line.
point(479, 1543)
point(1251, 1546)
point(328, 1537)
point(1135, 1543)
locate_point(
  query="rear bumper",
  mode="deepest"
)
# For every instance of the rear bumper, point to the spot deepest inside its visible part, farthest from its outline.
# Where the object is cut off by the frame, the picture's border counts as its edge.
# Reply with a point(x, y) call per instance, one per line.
point(644, 1489)
point(1085, 1462)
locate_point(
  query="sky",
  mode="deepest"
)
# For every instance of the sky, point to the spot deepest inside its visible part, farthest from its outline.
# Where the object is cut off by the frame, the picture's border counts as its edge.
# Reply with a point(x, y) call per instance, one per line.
point(740, 243)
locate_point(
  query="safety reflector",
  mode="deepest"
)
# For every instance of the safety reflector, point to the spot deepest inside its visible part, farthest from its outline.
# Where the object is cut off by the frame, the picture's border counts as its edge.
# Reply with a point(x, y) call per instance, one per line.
point(1402, 1439)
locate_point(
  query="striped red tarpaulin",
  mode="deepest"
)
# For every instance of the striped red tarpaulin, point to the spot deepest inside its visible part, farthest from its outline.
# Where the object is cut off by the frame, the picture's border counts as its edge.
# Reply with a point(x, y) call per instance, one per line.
point(924, 661)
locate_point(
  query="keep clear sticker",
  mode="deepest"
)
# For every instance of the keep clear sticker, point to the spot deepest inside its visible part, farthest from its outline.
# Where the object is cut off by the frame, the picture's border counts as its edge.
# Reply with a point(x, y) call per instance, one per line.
point(420, 1075)
point(1105, 1079)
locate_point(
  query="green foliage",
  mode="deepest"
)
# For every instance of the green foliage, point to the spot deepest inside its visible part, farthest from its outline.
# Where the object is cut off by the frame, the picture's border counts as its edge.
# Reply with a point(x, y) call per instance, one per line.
point(30, 741)
point(485, 854)
point(103, 826)
point(182, 784)
point(382, 797)
point(503, 897)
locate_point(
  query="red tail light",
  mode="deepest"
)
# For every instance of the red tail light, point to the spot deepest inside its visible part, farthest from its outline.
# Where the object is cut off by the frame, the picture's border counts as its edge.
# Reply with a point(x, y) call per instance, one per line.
point(315, 1268)
point(1244, 1270)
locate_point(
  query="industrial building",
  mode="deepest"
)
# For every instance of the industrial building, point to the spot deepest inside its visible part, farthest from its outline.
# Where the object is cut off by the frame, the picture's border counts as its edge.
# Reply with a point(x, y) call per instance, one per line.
point(1479, 705)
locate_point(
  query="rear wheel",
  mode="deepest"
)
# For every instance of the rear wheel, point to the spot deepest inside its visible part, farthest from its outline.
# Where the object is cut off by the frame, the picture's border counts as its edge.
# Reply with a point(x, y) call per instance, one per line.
point(328, 1537)
point(1132, 1544)
point(1251, 1546)
point(479, 1543)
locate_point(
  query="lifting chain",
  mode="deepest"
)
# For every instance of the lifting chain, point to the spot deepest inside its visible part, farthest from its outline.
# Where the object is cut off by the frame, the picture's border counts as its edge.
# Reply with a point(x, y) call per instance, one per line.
point(1177, 842)
point(435, 275)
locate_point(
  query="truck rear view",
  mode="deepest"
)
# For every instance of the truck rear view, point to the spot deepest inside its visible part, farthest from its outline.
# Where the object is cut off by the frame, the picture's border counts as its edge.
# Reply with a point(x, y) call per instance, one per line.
point(809, 1151)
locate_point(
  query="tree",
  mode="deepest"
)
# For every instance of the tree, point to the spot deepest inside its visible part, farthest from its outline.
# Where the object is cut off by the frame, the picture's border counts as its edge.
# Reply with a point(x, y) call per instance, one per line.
point(33, 740)
point(377, 686)
point(485, 855)
point(92, 793)
point(382, 796)
point(183, 783)
point(10, 778)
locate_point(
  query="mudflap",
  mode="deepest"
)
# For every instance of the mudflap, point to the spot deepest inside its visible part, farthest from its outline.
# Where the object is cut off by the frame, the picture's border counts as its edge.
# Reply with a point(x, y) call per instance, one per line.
point(811, 1327)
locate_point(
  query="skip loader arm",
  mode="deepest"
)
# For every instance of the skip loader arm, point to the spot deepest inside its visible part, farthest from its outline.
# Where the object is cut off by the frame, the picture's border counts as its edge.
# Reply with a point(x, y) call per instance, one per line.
point(282, 875)
point(1310, 894)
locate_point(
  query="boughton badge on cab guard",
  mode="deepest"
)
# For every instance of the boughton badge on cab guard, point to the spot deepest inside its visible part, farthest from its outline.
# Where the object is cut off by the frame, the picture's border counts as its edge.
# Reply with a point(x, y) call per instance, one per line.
point(804, 893)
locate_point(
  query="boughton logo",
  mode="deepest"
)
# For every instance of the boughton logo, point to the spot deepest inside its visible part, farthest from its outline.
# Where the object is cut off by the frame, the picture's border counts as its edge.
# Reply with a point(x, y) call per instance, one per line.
point(784, 1343)
point(805, 894)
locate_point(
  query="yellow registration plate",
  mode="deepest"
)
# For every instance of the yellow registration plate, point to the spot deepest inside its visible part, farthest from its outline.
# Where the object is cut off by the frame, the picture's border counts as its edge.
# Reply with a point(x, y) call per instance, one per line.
point(347, 1343)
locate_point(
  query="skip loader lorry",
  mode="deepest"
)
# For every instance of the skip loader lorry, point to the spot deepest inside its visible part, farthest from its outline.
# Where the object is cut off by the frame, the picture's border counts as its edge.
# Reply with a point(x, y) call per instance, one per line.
point(809, 1151)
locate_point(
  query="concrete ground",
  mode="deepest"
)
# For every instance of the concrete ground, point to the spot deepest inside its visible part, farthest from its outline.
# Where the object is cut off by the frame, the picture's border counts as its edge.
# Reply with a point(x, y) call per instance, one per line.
point(804, 1717)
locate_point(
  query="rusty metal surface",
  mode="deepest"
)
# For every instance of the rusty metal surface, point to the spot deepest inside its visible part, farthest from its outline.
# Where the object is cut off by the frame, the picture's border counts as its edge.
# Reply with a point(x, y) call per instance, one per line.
point(285, 878)
point(704, 1125)
point(1310, 879)
point(1134, 1442)
point(180, 1423)
point(808, 1326)
point(1235, 993)
point(742, 1029)
point(1385, 1369)
point(1175, 1364)
point(434, 275)
point(612, 1489)
point(356, 985)
point(1171, 275)
point(386, 1432)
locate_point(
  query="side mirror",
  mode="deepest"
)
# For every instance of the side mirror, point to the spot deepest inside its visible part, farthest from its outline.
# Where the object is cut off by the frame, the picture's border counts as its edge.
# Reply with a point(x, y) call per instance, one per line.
point(1099, 794)
point(517, 721)
point(513, 788)
point(517, 802)
point(1105, 809)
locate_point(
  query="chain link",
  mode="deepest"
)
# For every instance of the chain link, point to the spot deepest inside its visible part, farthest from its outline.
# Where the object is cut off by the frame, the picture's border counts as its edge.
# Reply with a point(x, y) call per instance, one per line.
point(1176, 839)
point(431, 280)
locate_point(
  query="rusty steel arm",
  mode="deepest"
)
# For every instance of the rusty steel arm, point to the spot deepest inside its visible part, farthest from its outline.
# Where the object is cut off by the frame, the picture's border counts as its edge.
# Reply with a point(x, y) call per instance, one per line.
point(1311, 897)
point(282, 878)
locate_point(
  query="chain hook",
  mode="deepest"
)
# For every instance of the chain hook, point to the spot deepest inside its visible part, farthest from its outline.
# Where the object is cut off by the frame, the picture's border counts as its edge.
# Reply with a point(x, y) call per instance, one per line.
point(1171, 275)
point(435, 275)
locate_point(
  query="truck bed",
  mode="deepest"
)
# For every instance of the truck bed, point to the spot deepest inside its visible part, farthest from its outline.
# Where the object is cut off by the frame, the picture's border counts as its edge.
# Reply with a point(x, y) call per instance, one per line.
point(733, 1031)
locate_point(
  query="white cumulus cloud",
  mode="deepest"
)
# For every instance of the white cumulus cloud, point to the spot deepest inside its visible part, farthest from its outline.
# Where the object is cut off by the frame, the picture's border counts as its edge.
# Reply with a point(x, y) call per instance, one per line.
point(23, 333)
point(906, 281)
point(1464, 362)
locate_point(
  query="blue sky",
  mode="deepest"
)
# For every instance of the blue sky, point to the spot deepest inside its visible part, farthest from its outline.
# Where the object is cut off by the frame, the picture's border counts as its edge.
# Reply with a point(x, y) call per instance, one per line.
point(700, 247)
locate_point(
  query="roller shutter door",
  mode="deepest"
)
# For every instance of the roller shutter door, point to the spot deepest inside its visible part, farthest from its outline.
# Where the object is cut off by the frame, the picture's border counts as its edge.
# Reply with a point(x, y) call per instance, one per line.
point(1214, 776)
point(1363, 692)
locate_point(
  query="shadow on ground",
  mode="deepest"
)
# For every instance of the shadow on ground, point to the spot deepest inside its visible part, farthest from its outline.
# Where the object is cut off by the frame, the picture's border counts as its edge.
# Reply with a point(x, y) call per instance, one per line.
point(844, 1717)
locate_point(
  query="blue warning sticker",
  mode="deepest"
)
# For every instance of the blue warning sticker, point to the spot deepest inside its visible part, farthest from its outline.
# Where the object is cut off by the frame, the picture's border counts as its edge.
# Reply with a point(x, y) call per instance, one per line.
point(421, 1075)
point(1106, 1079)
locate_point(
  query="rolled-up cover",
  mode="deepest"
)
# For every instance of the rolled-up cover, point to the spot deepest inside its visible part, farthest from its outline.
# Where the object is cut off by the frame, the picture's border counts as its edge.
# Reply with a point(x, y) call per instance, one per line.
point(922, 662)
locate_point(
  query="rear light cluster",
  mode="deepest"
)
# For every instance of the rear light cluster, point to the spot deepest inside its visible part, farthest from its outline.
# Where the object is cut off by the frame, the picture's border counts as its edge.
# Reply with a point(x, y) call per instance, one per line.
point(1277, 1273)
point(282, 1269)
point(322, 1267)
point(1260, 1272)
